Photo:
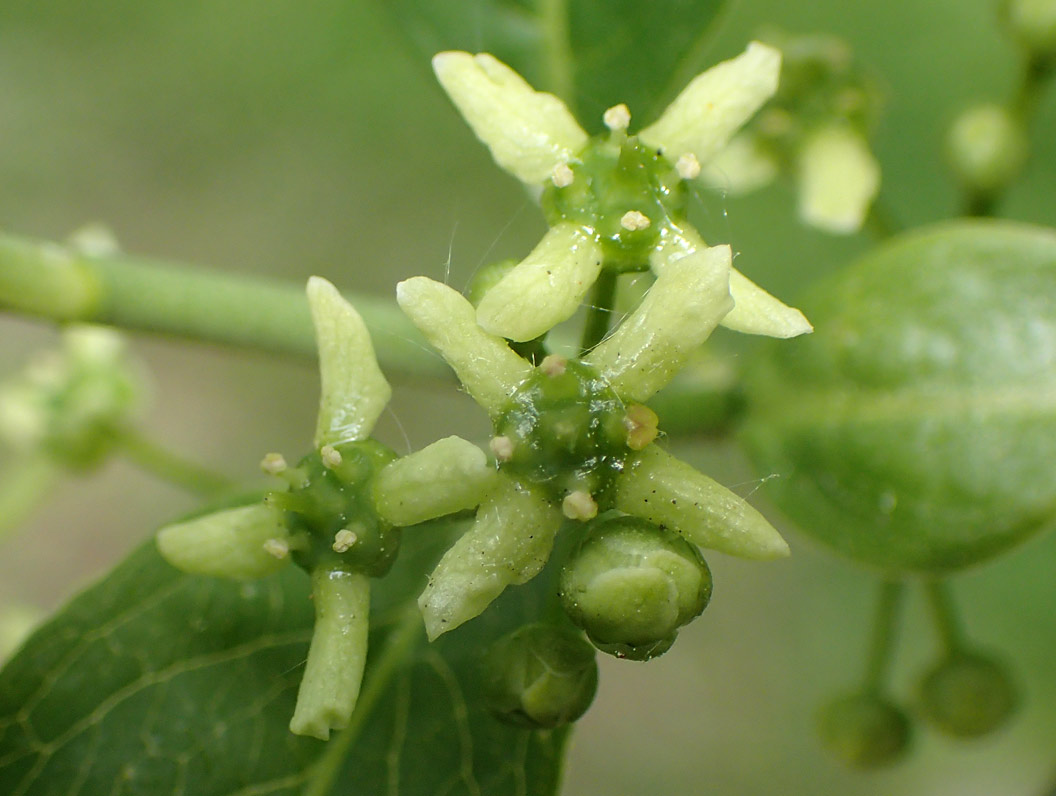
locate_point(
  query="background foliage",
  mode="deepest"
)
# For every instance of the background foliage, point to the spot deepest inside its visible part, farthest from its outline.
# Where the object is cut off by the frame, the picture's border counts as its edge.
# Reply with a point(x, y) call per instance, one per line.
point(293, 139)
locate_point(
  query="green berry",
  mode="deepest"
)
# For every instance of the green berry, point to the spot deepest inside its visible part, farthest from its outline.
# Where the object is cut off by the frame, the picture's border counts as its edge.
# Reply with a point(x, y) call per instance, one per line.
point(540, 676)
point(864, 730)
point(632, 585)
point(1033, 23)
point(910, 431)
point(967, 695)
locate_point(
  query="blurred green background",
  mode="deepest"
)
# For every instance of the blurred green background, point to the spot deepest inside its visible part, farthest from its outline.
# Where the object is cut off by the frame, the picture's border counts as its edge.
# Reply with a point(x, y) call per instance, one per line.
point(292, 139)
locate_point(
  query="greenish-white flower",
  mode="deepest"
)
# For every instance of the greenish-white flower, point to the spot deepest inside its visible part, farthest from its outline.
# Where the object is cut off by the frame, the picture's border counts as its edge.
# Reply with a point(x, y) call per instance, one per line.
point(573, 438)
point(338, 514)
point(615, 201)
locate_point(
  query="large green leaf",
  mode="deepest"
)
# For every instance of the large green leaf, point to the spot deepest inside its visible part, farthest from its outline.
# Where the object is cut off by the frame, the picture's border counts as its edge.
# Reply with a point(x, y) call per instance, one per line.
point(155, 682)
point(592, 54)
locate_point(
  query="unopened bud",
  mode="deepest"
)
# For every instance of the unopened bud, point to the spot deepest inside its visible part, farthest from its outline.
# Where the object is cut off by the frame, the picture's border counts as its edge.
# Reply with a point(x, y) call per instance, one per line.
point(540, 676)
point(967, 695)
point(864, 730)
point(987, 148)
point(632, 585)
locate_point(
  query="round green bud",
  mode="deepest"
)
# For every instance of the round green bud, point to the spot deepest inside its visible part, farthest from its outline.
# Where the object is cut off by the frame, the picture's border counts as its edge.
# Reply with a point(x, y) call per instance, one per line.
point(632, 585)
point(73, 404)
point(1033, 23)
point(864, 730)
point(564, 430)
point(539, 676)
point(986, 147)
point(624, 192)
point(330, 511)
point(967, 695)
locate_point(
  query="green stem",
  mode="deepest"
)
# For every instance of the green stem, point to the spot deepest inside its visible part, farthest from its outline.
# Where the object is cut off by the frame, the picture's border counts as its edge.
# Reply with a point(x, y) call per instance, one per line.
point(944, 615)
point(600, 313)
point(378, 678)
point(557, 50)
point(23, 487)
point(42, 279)
point(885, 632)
point(168, 466)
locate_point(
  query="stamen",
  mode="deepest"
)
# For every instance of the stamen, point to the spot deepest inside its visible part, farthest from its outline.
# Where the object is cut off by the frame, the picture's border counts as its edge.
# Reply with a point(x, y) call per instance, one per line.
point(553, 365)
point(618, 117)
point(641, 423)
point(579, 505)
point(279, 548)
point(273, 464)
point(562, 176)
point(688, 167)
point(330, 456)
point(343, 540)
point(502, 447)
point(633, 221)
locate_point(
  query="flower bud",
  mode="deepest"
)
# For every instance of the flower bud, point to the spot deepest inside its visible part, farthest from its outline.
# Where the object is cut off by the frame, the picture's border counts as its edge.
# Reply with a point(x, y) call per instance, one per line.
point(631, 585)
point(540, 676)
point(864, 730)
point(967, 695)
point(72, 404)
point(1033, 23)
point(486, 278)
point(986, 147)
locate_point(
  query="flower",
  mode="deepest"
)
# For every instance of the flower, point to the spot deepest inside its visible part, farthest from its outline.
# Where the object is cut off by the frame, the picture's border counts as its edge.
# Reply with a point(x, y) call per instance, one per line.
point(573, 437)
point(338, 515)
point(814, 128)
point(616, 201)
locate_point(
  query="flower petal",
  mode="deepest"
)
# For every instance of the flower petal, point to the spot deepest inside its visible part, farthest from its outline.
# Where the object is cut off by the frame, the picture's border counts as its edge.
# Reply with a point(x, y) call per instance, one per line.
point(716, 104)
point(334, 672)
point(686, 303)
point(528, 132)
point(485, 365)
point(543, 289)
point(448, 476)
point(838, 179)
point(509, 543)
point(354, 391)
point(666, 491)
point(755, 311)
point(226, 544)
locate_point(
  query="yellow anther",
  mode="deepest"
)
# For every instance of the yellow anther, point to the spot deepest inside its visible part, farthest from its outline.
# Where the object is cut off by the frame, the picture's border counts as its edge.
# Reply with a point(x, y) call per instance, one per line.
point(553, 365)
point(279, 548)
point(579, 505)
point(273, 464)
point(502, 447)
point(633, 220)
point(618, 117)
point(343, 540)
point(641, 423)
point(688, 167)
point(562, 176)
point(330, 456)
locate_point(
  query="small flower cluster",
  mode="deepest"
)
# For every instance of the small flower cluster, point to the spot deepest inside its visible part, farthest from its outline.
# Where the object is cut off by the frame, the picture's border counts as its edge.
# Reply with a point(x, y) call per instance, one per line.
point(574, 448)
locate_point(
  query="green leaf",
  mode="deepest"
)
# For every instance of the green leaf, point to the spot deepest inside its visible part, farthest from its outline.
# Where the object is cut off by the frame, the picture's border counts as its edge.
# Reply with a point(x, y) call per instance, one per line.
point(155, 682)
point(916, 428)
point(593, 55)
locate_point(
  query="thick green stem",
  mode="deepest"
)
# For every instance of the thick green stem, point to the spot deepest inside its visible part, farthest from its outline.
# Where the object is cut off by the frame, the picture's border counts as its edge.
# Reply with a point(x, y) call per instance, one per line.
point(885, 633)
point(602, 300)
point(41, 279)
point(393, 658)
point(168, 466)
point(944, 615)
point(23, 487)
